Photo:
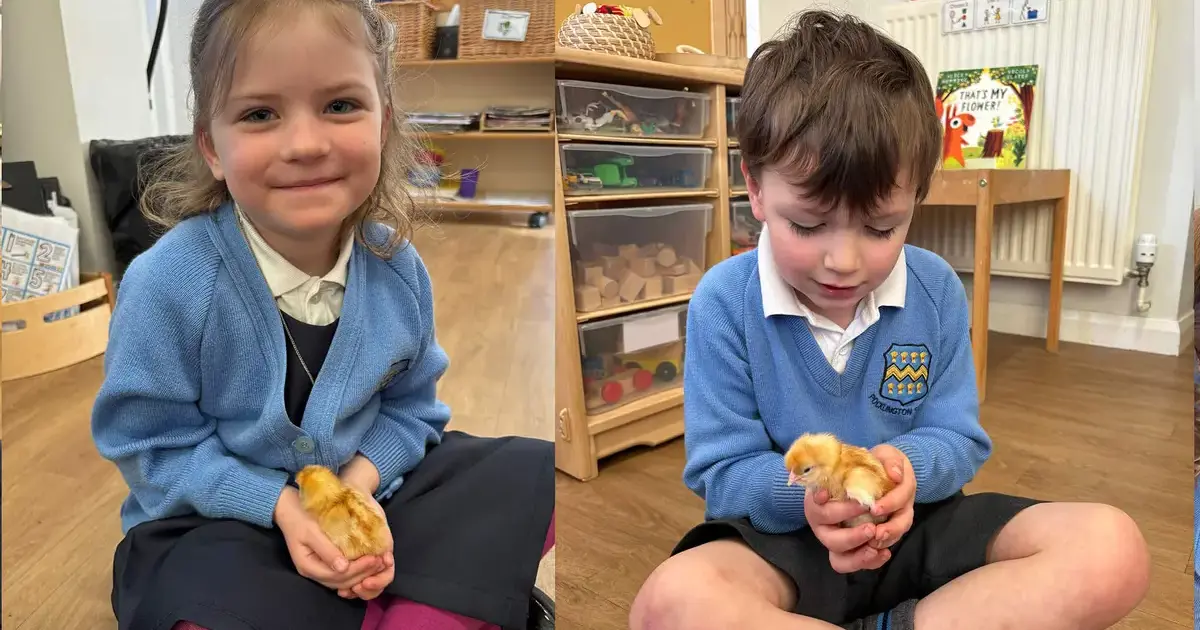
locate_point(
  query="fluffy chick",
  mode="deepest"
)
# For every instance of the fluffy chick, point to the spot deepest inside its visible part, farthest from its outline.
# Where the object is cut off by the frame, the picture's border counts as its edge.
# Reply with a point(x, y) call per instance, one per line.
point(344, 514)
point(821, 461)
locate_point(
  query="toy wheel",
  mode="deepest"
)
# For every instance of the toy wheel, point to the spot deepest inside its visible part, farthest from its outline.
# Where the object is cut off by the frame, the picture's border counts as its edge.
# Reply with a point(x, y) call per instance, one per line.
point(642, 380)
point(611, 392)
point(538, 220)
point(666, 371)
point(632, 365)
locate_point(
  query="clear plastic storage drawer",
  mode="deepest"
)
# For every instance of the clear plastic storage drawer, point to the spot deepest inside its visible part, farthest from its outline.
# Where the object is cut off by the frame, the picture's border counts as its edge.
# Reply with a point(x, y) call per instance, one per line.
point(732, 105)
point(745, 229)
point(605, 109)
point(628, 255)
point(630, 357)
point(590, 169)
point(737, 181)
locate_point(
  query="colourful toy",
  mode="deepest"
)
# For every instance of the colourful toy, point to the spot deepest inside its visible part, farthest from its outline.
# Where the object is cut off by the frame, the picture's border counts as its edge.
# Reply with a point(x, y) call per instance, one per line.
point(581, 181)
point(610, 378)
point(612, 172)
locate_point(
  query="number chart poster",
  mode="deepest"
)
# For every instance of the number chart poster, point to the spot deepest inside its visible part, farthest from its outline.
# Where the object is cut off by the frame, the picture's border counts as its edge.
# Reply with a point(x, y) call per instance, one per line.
point(31, 266)
point(985, 116)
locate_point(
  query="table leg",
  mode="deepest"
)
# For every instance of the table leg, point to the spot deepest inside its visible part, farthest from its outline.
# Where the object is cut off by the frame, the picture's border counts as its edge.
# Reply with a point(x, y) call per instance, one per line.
point(981, 289)
point(1058, 258)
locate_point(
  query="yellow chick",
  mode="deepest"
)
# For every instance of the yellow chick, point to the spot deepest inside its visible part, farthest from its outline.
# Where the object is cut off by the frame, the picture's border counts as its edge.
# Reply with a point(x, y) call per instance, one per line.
point(344, 514)
point(821, 461)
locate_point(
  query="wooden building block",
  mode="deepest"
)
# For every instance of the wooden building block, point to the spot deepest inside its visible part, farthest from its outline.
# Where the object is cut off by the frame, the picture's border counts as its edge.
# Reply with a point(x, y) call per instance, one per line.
point(628, 252)
point(680, 284)
point(678, 269)
point(589, 272)
point(613, 266)
point(666, 256)
point(649, 251)
point(644, 267)
point(631, 286)
point(607, 286)
point(692, 267)
point(614, 300)
point(587, 298)
point(653, 288)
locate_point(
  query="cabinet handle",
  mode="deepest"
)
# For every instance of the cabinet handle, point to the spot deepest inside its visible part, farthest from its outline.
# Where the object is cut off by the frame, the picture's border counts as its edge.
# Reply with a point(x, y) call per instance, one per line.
point(564, 424)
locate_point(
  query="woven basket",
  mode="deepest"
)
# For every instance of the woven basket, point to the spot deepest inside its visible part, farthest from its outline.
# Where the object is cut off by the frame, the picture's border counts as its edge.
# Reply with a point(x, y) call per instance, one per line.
point(539, 36)
point(606, 33)
point(415, 28)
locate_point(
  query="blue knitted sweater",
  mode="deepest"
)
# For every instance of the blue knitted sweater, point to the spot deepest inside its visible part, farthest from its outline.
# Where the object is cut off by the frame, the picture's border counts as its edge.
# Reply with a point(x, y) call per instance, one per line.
point(753, 384)
point(192, 406)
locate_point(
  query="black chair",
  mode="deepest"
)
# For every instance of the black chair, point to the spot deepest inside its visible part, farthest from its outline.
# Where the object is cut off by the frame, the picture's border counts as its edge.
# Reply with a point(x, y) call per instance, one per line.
point(115, 164)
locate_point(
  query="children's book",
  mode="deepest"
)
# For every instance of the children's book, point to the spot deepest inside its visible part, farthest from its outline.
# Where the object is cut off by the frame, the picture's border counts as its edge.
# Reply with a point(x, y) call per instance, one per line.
point(985, 116)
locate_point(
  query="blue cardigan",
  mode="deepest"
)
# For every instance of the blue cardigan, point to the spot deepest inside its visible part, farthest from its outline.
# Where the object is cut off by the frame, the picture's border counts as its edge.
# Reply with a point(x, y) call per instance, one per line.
point(192, 407)
point(753, 384)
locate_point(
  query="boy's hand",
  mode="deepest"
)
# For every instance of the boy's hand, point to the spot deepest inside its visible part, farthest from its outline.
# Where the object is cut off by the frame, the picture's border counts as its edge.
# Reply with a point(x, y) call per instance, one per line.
point(899, 502)
point(848, 548)
point(361, 475)
point(314, 555)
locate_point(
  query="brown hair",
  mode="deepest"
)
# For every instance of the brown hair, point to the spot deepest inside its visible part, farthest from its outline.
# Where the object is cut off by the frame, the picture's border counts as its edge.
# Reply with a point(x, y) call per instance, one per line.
point(179, 183)
point(840, 110)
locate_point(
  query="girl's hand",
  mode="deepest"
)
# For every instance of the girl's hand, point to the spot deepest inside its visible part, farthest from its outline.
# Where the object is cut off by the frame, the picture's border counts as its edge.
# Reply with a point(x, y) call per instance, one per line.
point(360, 474)
point(314, 556)
point(848, 548)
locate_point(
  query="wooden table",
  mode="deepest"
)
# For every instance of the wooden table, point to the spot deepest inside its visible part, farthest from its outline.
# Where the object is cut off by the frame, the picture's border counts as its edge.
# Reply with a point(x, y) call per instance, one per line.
point(986, 189)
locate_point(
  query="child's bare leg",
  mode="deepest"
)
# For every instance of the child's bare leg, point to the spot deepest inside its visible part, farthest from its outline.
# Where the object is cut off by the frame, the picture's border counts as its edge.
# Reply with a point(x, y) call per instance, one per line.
point(715, 586)
point(1068, 566)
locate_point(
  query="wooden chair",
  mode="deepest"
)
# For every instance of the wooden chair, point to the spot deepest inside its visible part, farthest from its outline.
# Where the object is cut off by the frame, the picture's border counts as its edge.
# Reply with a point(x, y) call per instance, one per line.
point(41, 346)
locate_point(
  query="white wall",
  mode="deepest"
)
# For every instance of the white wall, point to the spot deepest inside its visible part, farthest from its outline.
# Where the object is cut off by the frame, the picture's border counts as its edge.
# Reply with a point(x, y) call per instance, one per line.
point(71, 79)
point(1102, 315)
point(174, 67)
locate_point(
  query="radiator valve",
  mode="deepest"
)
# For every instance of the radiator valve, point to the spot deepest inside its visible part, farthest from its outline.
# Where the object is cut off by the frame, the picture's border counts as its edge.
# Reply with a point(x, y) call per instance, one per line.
point(1144, 253)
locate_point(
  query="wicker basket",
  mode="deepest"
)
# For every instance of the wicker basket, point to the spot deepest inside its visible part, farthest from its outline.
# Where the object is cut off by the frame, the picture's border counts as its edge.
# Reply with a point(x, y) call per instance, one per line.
point(605, 33)
point(415, 28)
point(539, 36)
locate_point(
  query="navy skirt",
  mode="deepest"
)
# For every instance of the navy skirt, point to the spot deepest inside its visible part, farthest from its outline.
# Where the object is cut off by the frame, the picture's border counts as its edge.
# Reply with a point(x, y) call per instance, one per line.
point(469, 525)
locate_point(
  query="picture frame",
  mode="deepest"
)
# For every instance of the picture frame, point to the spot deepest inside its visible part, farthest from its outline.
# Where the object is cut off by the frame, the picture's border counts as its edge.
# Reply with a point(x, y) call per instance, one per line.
point(503, 25)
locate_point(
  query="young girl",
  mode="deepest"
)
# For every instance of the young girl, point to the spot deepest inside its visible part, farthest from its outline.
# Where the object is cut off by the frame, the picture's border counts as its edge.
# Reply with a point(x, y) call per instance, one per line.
point(284, 320)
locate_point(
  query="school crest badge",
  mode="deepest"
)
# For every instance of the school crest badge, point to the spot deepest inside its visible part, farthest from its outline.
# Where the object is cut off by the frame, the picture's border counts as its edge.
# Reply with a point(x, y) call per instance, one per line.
point(905, 373)
point(398, 368)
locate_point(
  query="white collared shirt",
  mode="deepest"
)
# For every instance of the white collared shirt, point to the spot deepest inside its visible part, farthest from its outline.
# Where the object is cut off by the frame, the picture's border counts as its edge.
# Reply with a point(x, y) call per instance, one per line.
point(779, 298)
point(310, 299)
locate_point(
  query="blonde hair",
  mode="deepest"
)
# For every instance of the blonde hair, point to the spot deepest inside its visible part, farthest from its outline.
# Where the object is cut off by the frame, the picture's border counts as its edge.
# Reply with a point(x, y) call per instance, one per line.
point(178, 184)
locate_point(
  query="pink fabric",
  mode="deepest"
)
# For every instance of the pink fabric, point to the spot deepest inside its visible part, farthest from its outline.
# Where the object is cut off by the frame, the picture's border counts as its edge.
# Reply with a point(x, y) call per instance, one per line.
point(187, 625)
point(549, 537)
point(392, 613)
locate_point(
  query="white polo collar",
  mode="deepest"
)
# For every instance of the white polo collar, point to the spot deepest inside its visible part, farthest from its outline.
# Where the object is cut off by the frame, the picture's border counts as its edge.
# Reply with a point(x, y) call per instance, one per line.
point(779, 298)
point(282, 276)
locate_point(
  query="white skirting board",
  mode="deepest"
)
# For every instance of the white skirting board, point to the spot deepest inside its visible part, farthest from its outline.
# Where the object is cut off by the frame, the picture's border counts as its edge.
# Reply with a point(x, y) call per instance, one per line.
point(1126, 332)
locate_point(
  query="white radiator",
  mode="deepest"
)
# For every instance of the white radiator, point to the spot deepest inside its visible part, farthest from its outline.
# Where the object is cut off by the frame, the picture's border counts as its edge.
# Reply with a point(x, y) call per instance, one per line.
point(1093, 76)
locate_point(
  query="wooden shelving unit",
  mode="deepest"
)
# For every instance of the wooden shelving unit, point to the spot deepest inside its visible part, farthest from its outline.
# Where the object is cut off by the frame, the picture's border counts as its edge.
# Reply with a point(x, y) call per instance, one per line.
point(515, 167)
point(584, 438)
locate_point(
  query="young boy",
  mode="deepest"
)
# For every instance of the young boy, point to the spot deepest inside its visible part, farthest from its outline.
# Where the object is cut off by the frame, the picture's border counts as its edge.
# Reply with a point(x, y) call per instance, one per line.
point(833, 324)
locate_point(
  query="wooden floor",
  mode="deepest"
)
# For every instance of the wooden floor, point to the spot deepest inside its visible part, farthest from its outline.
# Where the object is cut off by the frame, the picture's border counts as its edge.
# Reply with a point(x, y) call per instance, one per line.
point(1088, 425)
point(494, 291)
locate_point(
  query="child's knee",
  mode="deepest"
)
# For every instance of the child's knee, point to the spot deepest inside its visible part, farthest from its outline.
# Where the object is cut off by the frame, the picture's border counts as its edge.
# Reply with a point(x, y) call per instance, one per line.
point(1116, 561)
point(716, 585)
point(679, 591)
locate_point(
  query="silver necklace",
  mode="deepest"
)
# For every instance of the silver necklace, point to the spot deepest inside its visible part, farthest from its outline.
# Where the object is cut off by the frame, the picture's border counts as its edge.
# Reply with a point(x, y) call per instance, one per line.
point(283, 320)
